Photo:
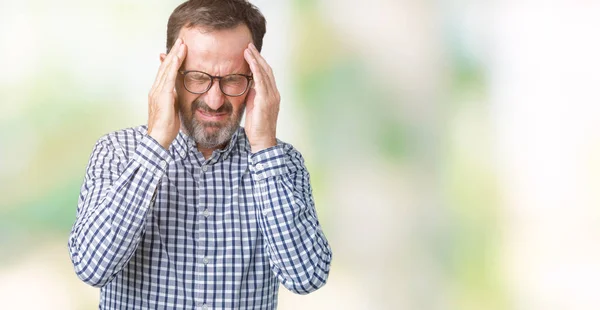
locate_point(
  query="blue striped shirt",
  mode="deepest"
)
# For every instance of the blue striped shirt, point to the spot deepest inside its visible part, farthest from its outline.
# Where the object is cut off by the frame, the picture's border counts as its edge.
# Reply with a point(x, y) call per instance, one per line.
point(167, 229)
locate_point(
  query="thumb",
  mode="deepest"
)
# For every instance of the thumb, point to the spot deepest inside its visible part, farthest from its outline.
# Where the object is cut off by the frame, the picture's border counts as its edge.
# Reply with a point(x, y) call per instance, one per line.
point(250, 98)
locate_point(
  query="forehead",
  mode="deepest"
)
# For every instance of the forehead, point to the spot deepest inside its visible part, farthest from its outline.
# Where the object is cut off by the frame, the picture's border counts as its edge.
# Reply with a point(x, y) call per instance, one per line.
point(217, 52)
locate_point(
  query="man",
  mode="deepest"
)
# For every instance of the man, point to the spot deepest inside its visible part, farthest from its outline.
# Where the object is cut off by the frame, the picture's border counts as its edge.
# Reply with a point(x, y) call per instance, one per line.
point(192, 210)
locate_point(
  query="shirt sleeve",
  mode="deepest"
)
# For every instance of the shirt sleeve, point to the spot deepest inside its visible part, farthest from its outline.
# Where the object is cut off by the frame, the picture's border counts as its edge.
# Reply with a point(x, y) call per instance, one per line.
point(299, 253)
point(115, 197)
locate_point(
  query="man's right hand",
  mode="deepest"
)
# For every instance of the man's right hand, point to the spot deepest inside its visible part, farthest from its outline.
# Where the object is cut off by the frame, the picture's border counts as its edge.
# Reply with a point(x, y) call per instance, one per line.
point(163, 111)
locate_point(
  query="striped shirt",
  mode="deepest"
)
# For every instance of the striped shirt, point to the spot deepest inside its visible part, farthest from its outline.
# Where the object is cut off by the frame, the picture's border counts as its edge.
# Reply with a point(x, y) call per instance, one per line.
point(160, 229)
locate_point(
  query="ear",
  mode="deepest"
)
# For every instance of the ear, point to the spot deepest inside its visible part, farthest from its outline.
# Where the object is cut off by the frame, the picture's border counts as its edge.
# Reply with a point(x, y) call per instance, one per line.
point(162, 57)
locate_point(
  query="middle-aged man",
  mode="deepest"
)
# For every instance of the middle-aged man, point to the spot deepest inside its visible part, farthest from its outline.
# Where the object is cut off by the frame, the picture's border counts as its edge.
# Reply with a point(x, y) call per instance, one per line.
point(192, 210)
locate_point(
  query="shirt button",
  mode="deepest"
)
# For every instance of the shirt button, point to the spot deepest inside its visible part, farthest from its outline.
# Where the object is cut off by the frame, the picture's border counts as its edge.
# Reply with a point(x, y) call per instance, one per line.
point(163, 164)
point(206, 213)
point(205, 307)
point(260, 166)
point(204, 168)
point(205, 260)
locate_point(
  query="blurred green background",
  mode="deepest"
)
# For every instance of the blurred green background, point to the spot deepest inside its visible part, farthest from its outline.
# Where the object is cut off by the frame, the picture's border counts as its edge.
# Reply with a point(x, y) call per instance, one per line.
point(454, 146)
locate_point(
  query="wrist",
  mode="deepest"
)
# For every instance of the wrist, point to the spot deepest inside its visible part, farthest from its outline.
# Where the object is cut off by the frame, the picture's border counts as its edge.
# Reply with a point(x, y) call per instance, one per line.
point(261, 145)
point(164, 142)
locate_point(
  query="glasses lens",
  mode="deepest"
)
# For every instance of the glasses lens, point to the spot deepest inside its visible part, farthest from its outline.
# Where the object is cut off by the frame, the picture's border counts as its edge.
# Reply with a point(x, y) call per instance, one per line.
point(197, 82)
point(234, 84)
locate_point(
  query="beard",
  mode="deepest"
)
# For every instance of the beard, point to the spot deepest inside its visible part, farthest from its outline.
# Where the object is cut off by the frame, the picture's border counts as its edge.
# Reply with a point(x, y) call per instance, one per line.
point(209, 134)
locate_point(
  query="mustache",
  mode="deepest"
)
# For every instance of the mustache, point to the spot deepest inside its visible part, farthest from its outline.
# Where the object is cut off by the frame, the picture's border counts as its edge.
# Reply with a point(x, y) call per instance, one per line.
point(199, 104)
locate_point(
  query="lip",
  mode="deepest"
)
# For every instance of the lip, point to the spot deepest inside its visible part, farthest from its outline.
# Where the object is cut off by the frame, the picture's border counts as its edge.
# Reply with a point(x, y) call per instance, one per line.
point(211, 116)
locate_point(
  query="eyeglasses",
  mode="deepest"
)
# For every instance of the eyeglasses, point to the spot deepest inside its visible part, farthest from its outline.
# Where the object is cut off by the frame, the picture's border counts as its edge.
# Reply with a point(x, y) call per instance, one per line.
point(233, 85)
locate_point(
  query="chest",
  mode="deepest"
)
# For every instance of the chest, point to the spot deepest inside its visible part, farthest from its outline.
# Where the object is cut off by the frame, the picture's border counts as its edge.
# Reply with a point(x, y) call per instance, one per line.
point(199, 209)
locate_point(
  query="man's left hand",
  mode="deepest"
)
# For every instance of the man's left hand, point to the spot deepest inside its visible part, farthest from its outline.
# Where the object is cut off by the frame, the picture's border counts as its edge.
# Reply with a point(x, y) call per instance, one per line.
point(262, 103)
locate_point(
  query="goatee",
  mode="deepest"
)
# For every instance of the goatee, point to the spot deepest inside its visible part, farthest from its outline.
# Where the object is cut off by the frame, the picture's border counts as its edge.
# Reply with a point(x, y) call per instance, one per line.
point(209, 134)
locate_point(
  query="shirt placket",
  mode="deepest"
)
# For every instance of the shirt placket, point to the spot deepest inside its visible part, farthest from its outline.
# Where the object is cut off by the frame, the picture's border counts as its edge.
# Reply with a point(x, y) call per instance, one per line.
point(206, 237)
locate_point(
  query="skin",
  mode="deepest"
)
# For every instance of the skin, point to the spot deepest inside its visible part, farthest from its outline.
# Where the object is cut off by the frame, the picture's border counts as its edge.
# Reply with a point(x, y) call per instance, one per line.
point(218, 52)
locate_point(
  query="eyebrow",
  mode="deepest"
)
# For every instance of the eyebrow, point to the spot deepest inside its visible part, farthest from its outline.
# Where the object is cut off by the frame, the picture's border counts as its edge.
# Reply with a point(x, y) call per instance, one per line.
point(185, 70)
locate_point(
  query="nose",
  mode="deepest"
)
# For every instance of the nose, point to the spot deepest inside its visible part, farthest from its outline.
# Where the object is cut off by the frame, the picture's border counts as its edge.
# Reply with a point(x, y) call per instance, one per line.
point(214, 98)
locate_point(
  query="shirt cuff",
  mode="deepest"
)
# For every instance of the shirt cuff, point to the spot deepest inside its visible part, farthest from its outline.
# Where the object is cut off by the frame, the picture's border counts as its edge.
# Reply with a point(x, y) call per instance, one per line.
point(151, 155)
point(267, 163)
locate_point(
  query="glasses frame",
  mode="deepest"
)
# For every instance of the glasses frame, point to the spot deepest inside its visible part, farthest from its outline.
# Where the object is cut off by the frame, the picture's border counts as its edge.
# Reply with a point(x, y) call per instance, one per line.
point(212, 80)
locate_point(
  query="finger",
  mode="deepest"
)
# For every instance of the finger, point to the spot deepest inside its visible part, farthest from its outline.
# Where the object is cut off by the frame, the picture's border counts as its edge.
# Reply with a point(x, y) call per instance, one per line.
point(261, 60)
point(262, 63)
point(176, 104)
point(250, 99)
point(162, 78)
point(172, 53)
point(259, 75)
point(162, 58)
point(171, 75)
point(165, 63)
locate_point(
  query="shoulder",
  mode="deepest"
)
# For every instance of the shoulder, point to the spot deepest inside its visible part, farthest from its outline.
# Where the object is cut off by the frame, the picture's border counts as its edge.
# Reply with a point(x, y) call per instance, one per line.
point(125, 140)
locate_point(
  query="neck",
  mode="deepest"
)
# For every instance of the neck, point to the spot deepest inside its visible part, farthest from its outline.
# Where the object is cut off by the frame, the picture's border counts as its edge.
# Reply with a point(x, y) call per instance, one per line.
point(207, 152)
